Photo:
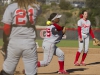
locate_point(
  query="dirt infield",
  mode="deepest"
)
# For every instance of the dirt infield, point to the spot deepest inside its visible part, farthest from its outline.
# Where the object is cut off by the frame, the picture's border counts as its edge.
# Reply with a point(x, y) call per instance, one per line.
point(92, 61)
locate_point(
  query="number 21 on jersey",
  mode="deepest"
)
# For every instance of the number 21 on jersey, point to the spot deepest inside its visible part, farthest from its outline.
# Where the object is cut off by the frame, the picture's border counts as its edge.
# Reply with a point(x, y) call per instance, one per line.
point(21, 15)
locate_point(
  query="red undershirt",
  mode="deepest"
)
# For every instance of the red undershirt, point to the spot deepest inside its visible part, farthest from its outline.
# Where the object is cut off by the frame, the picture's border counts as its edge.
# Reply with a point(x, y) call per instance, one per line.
point(59, 28)
point(7, 29)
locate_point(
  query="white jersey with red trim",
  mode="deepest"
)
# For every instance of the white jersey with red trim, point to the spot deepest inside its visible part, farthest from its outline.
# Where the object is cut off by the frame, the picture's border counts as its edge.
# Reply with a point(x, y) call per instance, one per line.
point(14, 15)
point(85, 26)
point(52, 35)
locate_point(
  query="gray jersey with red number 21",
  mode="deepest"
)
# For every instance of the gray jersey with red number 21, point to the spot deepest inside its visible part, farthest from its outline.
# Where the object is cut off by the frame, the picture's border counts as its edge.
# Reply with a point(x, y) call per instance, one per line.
point(19, 17)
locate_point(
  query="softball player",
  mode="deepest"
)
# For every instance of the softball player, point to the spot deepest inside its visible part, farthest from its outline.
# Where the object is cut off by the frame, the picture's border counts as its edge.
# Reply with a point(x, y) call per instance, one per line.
point(54, 34)
point(21, 16)
point(84, 29)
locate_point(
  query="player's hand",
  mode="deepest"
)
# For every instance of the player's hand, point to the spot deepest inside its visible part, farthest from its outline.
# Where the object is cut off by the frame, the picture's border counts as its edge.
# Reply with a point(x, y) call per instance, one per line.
point(63, 30)
point(94, 38)
point(81, 41)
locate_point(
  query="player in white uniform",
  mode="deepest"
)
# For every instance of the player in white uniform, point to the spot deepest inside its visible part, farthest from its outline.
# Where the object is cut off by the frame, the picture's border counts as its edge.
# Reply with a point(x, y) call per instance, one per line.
point(54, 34)
point(84, 29)
point(19, 18)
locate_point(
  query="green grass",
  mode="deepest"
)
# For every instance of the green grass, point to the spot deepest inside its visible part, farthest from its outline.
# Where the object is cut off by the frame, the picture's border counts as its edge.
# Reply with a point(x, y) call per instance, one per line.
point(69, 43)
point(63, 43)
point(1, 42)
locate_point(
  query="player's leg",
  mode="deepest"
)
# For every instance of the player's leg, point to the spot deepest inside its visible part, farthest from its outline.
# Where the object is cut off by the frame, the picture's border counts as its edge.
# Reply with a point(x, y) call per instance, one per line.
point(13, 55)
point(30, 59)
point(60, 54)
point(47, 55)
point(78, 53)
point(4, 73)
point(5, 49)
point(86, 46)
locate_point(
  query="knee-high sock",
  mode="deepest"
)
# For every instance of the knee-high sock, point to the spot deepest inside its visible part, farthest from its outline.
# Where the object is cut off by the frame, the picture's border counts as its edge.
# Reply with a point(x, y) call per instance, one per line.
point(61, 65)
point(77, 56)
point(83, 57)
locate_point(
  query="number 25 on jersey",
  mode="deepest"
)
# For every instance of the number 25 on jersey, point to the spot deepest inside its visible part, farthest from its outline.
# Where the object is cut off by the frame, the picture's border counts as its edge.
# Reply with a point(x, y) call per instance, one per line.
point(48, 32)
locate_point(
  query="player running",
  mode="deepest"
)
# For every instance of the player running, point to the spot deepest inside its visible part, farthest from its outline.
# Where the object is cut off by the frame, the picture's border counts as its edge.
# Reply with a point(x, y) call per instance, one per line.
point(54, 34)
point(19, 22)
point(84, 29)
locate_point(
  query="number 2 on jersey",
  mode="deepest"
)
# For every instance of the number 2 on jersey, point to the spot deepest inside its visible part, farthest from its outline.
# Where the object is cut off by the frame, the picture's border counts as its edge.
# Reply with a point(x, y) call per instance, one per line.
point(21, 14)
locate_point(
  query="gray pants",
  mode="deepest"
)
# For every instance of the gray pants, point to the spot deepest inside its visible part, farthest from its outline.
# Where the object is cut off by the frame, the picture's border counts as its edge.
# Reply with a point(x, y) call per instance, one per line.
point(51, 49)
point(25, 48)
point(85, 44)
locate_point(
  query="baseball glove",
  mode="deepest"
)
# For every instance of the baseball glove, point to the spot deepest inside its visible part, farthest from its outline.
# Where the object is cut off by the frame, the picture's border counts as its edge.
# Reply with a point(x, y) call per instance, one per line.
point(96, 42)
point(64, 29)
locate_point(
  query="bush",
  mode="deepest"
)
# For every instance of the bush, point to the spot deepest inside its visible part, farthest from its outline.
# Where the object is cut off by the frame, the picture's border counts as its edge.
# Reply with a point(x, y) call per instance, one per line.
point(2, 9)
point(65, 5)
point(53, 4)
point(41, 21)
point(93, 4)
point(45, 7)
point(68, 14)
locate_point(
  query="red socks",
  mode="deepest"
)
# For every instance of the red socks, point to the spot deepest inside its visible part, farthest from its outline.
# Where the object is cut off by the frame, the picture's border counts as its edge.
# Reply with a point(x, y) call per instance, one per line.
point(77, 56)
point(83, 57)
point(61, 65)
point(38, 64)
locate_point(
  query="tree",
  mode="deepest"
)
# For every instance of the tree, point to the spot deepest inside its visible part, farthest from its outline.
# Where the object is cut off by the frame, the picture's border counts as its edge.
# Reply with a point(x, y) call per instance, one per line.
point(94, 4)
point(94, 12)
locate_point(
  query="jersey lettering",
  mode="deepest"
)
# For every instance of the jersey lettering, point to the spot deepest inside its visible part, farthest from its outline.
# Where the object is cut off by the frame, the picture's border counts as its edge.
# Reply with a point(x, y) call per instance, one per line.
point(48, 32)
point(85, 26)
point(21, 14)
point(31, 17)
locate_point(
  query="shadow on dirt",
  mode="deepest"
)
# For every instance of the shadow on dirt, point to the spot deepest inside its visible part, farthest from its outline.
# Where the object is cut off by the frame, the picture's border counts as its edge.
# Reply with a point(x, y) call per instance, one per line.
point(94, 63)
point(69, 70)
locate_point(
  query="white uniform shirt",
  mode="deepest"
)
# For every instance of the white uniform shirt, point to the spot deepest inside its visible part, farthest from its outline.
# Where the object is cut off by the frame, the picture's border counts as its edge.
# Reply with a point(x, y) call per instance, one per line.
point(85, 26)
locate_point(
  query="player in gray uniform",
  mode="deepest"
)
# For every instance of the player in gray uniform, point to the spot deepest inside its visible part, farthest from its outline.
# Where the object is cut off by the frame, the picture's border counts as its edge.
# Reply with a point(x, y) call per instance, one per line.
point(21, 16)
point(84, 29)
point(54, 34)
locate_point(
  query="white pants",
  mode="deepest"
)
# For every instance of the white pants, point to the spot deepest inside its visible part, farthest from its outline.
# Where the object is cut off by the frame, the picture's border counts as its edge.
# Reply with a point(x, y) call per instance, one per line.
point(25, 48)
point(85, 44)
point(50, 50)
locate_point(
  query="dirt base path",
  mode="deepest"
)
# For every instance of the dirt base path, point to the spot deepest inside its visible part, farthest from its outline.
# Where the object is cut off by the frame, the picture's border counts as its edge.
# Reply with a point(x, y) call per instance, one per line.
point(92, 61)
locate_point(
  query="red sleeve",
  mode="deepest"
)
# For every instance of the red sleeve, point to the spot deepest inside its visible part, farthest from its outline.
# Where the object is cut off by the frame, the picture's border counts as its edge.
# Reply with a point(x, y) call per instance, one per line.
point(79, 32)
point(91, 33)
point(59, 28)
point(7, 29)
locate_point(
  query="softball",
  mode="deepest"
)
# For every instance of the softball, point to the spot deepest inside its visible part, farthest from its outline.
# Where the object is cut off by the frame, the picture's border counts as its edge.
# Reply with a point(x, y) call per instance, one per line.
point(48, 22)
